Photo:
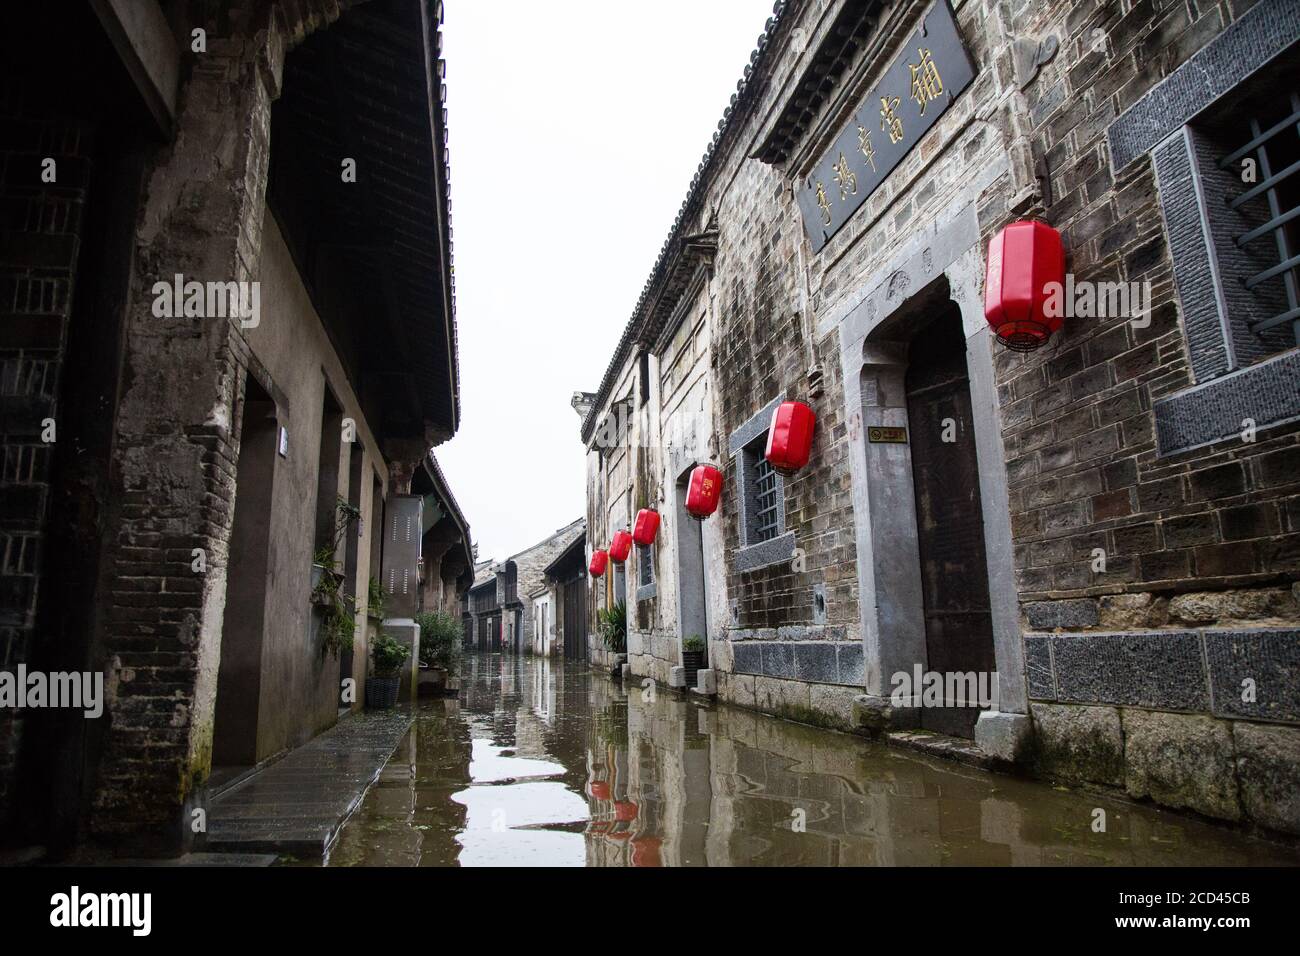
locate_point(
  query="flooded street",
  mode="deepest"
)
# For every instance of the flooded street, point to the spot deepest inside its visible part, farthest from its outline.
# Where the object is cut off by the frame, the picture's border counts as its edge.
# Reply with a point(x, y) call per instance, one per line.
point(544, 762)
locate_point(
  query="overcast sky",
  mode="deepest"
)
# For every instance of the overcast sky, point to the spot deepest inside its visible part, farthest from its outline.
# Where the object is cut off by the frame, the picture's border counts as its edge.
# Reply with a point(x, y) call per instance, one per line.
point(575, 127)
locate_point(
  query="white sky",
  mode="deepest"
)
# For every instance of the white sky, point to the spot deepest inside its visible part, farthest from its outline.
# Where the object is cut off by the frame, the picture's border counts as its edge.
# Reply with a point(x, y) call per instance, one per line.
point(575, 127)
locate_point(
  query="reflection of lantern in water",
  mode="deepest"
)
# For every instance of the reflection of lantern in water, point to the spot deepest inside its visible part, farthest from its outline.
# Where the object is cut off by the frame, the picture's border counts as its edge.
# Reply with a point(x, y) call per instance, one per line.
point(625, 811)
point(599, 789)
point(645, 851)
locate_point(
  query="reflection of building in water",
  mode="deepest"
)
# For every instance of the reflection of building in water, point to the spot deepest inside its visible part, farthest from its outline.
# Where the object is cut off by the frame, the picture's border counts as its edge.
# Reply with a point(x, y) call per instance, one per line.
point(729, 787)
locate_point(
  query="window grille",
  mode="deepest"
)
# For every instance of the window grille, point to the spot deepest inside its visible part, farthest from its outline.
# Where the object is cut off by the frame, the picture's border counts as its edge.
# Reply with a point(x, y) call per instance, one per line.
point(1275, 149)
point(766, 517)
point(645, 567)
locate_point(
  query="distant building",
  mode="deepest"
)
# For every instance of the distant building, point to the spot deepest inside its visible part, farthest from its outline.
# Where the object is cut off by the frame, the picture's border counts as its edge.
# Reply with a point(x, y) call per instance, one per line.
point(500, 602)
point(566, 577)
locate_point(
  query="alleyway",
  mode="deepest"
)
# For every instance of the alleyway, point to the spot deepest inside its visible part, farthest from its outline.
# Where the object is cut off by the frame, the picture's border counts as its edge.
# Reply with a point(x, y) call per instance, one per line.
point(549, 763)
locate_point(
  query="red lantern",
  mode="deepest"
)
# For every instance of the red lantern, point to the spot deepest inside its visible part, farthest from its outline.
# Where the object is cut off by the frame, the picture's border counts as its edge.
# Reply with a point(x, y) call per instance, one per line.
point(646, 527)
point(1024, 258)
point(620, 546)
point(704, 492)
point(789, 439)
point(599, 559)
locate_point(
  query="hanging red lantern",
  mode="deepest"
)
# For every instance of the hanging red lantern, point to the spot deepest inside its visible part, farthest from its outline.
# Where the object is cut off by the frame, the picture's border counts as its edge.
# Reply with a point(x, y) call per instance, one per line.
point(704, 491)
point(620, 547)
point(789, 439)
point(599, 560)
point(646, 527)
point(1024, 259)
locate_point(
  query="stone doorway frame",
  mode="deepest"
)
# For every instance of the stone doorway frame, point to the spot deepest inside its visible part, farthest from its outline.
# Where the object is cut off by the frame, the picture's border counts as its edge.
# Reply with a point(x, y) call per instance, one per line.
point(884, 510)
point(688, 560)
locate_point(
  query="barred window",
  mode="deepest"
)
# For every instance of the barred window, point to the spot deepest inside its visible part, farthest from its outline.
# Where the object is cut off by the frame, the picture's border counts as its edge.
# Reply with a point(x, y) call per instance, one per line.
point(645, 566)
point(1268, 160)
point(766, 521)
point(764, 517)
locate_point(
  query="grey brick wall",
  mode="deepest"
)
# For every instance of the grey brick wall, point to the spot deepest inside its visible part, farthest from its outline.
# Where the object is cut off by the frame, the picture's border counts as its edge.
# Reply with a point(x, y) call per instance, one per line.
point(1084, 463)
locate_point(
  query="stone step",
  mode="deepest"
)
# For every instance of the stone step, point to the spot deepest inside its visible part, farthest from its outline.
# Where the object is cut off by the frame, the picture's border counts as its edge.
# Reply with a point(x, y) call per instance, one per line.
point(941, 745)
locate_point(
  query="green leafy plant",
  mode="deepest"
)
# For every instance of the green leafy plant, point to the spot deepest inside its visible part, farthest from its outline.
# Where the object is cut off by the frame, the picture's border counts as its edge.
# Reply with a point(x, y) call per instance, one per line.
point(339, 623)
point(375, 599)
point(441, 636)
point(389, 655)
point(693, 643)
point(611, 623)
point(345, 516)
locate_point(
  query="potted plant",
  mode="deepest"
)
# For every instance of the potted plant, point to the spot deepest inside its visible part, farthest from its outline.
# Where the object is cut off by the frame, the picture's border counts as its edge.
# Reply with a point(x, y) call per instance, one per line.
point(612, 625)
point(441, 635)
point(338, 609)
point(693, 651)
point(324, 563)
point(388, 654)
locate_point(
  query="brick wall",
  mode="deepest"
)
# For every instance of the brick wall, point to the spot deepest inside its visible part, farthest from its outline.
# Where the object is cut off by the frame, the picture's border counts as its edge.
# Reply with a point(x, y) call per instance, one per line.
point(38, 262)
point(1078, 425)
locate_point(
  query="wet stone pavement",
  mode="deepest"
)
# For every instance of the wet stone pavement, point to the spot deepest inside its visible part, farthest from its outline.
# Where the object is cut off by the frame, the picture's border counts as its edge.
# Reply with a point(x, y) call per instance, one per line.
point(545, 762)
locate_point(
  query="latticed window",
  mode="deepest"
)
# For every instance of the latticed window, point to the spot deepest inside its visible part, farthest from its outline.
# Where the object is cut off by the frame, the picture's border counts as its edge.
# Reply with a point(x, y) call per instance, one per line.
point(1269, 163)
point(767, 518)
point(645, 566)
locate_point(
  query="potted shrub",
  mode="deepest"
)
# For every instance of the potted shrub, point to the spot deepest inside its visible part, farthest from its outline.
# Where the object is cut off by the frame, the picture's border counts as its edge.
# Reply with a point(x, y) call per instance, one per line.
point(693, 651)
point(441, 635)
point(323, 561)
point(338, 609)
point(388, 655)
point(612, 625)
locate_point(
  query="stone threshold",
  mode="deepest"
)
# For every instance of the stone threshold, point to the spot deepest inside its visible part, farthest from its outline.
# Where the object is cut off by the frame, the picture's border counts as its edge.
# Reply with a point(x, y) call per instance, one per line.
point(941, 745)
point(298, 804)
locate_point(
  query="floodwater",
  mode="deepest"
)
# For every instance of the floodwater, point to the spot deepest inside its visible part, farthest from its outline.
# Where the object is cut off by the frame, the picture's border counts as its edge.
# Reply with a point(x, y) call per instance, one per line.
point(544, 762)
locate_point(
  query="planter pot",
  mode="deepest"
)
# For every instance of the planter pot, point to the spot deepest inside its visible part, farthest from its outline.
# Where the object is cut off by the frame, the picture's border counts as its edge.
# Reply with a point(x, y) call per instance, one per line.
point(693, 663)
point(381, 692)
point(317, 575)
point(433, 681)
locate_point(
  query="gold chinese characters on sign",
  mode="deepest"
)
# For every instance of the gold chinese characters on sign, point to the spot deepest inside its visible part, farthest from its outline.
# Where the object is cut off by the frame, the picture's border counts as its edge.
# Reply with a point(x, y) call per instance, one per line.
point(889, 120)
point(845, 178)
point(908, 98)
point(887, 434)
point(864, 145)
point(825, 203)
point(926, 82)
